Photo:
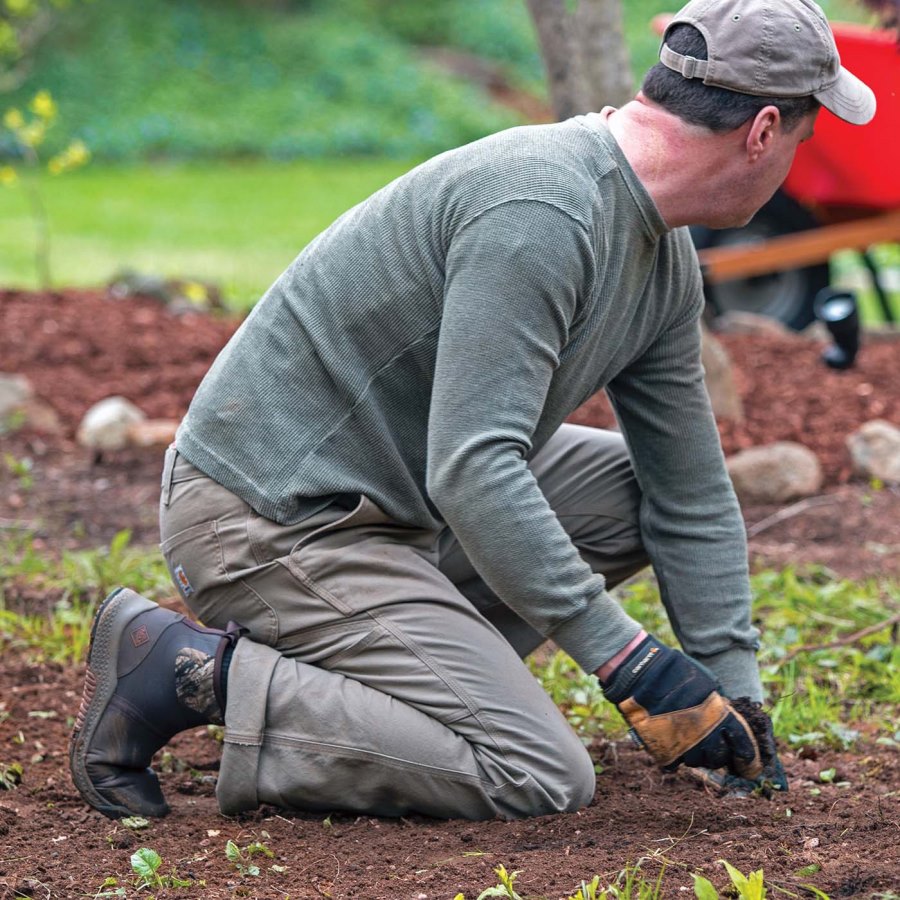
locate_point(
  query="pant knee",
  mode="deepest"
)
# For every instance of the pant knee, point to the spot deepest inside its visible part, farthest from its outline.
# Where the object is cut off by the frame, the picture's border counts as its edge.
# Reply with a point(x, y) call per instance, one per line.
point(566, 783)
point(583, 783)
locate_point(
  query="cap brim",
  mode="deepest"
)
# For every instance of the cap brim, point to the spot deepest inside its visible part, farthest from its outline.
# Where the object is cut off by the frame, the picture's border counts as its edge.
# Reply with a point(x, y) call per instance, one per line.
point(849, 99)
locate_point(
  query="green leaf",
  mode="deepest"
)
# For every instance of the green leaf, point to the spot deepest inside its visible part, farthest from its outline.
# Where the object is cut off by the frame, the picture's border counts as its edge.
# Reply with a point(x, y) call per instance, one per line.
point(135, 823)
point(233, 852)
point(756, 886)
point(257, 848)
point(827, 775)
point(738, 879)
point(749, 887)
point(119, 542)
point(10, 776)
point(145, 862)
point(703, 888)
point(811, 869)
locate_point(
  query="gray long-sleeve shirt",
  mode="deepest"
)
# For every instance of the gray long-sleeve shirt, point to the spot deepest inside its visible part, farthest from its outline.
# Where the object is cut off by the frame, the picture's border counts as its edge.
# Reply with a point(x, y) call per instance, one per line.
point(426, 345)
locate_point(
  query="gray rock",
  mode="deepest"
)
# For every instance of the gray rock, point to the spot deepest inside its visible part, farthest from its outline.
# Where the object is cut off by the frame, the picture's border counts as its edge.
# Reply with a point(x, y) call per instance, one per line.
point(15, 392)
point(106, 424)
point(181, 295)
point(19, 406)
point(131, 283)
point(737, 321)
point(775, 473)
point(720, 383)
point(875, 450)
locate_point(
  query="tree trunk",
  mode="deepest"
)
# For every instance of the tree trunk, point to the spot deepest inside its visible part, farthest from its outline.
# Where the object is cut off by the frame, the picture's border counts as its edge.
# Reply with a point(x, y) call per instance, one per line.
point(604, 53)
point(584, 53)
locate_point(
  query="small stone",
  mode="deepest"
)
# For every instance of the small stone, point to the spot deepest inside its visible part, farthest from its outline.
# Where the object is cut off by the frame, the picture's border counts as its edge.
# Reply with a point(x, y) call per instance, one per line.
point(15, 391)
point(720, 384)
point(105, 425)
point(875, 450)
point(737, 321)
point(41, 416)
point(775, 473)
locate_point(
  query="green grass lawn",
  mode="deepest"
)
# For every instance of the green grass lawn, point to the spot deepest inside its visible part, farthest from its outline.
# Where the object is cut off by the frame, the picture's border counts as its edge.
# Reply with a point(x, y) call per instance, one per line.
point(237, 224)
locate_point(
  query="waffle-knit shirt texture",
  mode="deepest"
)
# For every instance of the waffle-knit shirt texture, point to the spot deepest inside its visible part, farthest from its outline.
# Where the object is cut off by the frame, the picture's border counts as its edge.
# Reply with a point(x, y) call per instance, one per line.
point(427, 344)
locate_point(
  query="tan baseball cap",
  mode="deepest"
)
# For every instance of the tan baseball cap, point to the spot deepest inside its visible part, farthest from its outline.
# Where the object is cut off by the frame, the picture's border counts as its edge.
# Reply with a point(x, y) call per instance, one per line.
point(771, 48)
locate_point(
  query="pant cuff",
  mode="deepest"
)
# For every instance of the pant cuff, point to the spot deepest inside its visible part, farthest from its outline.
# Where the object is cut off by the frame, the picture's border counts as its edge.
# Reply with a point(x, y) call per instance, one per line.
point(245, 721)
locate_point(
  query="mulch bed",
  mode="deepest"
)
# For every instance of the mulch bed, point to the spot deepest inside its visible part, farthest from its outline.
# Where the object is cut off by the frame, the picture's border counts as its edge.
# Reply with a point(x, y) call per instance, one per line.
point(80, 346)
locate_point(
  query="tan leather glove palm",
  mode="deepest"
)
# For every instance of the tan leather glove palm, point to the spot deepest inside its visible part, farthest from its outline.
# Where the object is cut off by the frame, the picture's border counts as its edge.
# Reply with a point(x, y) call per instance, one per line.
point(676, 713)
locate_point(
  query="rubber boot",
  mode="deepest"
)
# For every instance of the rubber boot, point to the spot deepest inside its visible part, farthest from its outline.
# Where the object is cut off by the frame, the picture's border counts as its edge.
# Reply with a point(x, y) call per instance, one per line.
point(151, 673)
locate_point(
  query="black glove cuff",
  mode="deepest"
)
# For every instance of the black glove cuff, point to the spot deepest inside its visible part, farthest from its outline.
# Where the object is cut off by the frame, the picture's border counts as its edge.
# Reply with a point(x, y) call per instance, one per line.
point(647, 654)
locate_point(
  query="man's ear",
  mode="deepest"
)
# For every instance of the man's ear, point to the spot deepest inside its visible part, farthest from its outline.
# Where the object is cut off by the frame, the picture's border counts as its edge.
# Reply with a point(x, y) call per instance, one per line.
point(762, 132)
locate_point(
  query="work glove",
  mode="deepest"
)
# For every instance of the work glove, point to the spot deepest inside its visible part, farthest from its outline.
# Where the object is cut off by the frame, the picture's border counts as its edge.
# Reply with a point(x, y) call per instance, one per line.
point(676, 712)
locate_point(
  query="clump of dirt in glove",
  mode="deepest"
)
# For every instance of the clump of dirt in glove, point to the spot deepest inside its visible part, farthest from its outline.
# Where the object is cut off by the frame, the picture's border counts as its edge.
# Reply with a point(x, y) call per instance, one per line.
point(761, 726)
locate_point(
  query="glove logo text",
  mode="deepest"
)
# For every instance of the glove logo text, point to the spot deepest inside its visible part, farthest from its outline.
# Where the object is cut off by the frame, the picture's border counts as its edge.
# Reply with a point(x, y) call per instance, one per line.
point(646, 659)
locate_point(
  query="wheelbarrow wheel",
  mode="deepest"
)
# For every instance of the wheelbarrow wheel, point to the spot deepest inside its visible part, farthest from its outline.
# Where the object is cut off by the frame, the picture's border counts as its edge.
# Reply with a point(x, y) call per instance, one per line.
point(787, 296)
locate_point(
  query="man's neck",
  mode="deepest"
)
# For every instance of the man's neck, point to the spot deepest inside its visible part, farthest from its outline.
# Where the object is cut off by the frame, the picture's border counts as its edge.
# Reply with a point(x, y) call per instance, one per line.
point(683, 167)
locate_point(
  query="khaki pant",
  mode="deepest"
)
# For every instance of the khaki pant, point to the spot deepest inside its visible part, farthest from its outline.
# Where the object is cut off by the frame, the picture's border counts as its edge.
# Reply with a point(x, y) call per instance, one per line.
point(380, 674)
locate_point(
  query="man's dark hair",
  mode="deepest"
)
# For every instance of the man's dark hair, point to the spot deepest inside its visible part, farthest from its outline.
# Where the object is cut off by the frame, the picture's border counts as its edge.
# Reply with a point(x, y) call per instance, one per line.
point(712, 107)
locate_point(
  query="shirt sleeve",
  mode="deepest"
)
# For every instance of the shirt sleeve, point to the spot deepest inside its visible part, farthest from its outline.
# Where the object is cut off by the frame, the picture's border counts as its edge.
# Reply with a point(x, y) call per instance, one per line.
point(514, 280)
point(690, 520)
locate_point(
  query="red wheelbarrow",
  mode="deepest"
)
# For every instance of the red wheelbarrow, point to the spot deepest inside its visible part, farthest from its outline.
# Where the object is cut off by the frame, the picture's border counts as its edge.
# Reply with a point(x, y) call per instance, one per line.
point(842, 193)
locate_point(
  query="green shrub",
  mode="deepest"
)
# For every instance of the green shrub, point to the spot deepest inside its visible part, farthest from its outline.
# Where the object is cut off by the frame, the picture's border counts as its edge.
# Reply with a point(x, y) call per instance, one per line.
point(194, 79)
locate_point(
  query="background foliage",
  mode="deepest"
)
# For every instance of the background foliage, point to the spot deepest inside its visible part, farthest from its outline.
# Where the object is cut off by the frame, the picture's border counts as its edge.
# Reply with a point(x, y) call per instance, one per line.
point(287, 79)
point(194, 78)
point(226, 133)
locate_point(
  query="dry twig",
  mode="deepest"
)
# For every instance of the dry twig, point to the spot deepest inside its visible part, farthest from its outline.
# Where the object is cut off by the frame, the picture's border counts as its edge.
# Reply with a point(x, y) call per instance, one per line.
point(790, 511)
point(846, 640)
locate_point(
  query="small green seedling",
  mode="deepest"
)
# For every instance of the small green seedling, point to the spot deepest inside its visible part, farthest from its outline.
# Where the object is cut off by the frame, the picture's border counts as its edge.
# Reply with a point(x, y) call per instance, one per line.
point(241, 857)
point(146, 863)
point(20, 469)
point(506, 886)
point(10, 776)
point(109, 888)
point(746, 887)
point(590, 890)
point(811, 869)
point(749, 887)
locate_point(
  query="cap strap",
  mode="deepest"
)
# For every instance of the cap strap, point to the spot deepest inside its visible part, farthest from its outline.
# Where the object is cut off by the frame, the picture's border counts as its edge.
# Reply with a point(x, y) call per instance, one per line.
point(688, 66)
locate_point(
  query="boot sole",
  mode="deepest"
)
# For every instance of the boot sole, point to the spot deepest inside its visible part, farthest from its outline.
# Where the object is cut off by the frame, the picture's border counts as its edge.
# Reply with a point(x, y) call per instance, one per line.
point(101, 678)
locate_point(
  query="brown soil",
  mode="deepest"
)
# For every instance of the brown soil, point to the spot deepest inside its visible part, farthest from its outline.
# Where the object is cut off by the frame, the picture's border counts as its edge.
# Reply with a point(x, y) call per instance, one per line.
point(78, 347)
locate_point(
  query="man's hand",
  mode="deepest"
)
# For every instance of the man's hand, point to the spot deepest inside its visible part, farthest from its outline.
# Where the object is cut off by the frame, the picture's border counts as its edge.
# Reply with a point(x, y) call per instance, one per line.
point(677, 714)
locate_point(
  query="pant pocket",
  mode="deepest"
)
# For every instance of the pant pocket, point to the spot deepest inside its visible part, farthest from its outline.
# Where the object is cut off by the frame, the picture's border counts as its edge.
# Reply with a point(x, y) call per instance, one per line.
point(325, 555)
point(197, 565)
